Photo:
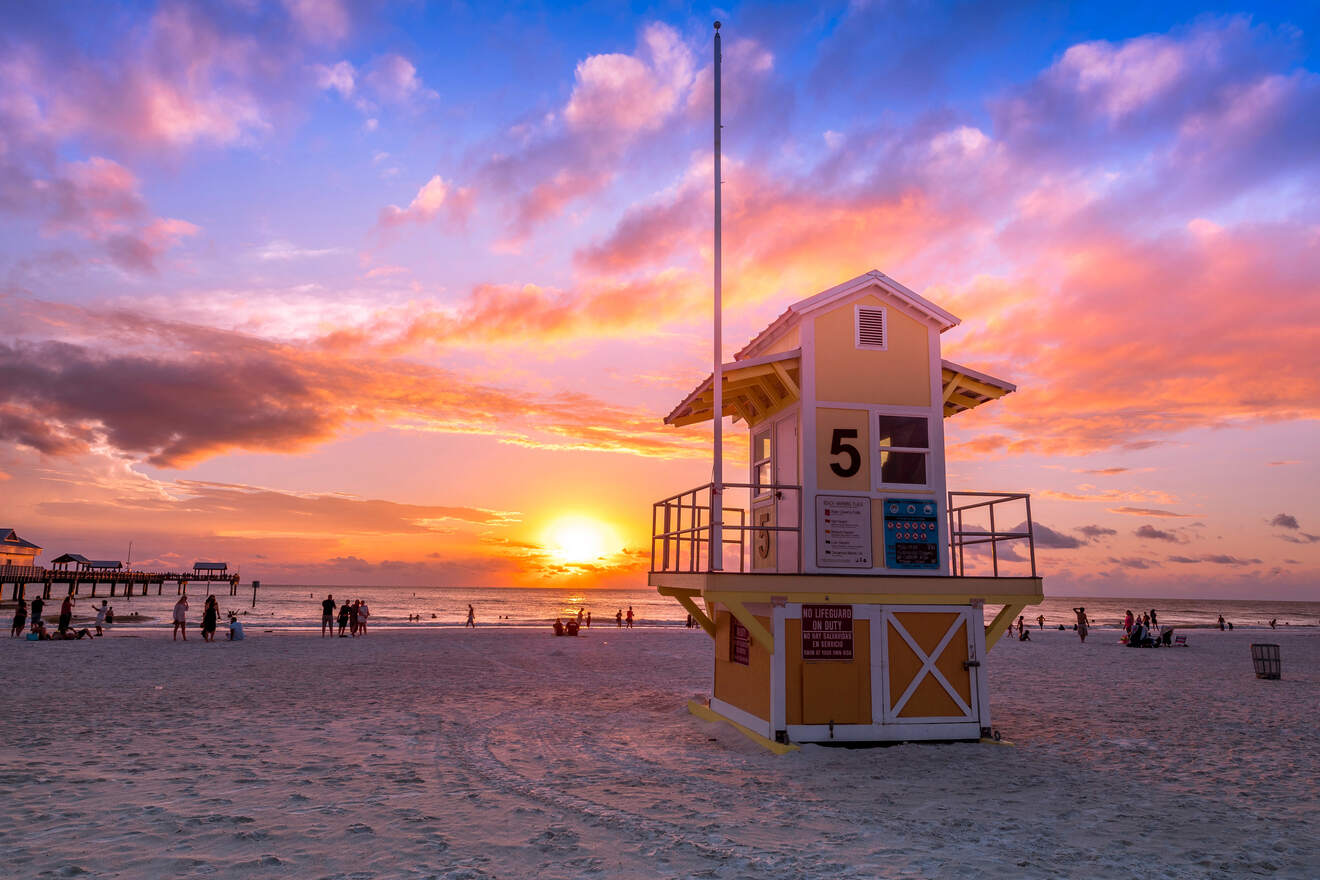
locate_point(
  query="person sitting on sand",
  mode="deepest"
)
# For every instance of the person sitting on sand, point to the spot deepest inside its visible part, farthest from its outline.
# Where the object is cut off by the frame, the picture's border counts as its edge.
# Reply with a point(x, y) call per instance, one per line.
point(235, 628)
point(1024, 634)
point(1081, 622)
point(181, 618)
point(559, 627)
point(20, 619)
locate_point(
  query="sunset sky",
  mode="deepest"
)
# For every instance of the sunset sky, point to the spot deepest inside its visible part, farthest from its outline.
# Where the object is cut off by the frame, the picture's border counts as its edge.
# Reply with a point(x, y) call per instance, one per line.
point(399, 293)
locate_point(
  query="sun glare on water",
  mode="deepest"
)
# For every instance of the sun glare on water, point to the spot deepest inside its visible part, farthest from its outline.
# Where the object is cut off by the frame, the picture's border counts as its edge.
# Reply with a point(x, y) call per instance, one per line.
point(574, 539)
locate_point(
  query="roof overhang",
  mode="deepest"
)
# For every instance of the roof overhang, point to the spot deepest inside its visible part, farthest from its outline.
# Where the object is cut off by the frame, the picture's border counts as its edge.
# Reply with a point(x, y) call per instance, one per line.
point(918, 304)
point(965, 388)
point(752, 390)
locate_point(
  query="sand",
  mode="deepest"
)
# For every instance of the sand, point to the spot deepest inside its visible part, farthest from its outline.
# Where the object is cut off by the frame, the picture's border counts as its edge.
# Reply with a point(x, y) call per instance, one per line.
point(509, 753)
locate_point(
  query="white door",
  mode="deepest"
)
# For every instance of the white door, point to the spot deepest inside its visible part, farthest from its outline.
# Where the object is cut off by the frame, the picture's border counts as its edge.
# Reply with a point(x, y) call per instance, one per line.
point(787, 503)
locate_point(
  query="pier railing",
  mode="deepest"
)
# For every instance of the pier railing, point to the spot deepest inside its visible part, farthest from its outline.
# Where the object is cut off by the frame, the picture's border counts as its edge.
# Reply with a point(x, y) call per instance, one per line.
point(681, 529)
point(22, 575)
point(978, 526)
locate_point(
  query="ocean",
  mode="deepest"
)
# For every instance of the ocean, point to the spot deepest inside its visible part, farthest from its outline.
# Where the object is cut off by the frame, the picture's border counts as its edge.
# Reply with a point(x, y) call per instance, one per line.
point(298, 606)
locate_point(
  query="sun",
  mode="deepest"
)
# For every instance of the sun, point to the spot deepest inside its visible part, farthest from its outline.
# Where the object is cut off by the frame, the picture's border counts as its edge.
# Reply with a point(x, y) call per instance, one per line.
point(576, 539)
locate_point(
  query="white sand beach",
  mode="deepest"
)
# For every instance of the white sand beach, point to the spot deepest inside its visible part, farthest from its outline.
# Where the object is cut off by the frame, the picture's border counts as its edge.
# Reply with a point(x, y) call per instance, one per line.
point(509, 753)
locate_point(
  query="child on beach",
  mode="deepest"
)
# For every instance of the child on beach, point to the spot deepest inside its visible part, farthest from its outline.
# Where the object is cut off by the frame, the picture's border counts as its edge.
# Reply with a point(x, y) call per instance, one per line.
point(20, 619)
point(100, 616)
point(180, 618)
point(618, 618)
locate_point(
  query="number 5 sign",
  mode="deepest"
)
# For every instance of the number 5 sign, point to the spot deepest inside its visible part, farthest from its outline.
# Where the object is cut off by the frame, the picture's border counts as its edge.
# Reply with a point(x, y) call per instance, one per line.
point(843, 442)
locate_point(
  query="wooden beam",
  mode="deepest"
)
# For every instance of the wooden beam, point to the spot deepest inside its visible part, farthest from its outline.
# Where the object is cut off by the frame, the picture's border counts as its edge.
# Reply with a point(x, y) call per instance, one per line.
point(697, 614)
point(1002, 621)
point(951, 385)
point(747, 619)
point(794, 392)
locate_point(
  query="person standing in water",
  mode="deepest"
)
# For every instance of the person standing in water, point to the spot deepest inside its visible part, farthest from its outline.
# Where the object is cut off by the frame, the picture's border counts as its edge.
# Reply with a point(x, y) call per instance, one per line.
point(472, 617)
point(1081, 623)
point(618, 618)
point(630, 617)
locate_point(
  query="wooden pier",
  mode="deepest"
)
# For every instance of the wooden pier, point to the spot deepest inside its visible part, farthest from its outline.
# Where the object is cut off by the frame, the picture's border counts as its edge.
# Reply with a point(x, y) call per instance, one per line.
point(139, 582)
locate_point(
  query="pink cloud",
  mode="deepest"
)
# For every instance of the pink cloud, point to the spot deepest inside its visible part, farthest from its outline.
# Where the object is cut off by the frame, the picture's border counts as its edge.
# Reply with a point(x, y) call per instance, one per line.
point(320, 21)
point(435, 196)
point(632, 93)
point(393, 78)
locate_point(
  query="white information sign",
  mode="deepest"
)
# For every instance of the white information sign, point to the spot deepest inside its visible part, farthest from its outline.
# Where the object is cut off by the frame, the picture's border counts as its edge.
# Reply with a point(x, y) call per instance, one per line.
point(843, 531)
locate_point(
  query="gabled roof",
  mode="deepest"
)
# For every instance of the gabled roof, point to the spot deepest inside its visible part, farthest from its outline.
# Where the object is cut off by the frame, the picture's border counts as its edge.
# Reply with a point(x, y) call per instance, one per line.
point(11, 539)
point(873, 279)
point(70, 557)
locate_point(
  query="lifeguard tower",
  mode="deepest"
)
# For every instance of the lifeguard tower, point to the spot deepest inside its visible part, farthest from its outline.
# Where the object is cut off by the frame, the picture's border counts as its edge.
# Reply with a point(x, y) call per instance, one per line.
point(846, 591)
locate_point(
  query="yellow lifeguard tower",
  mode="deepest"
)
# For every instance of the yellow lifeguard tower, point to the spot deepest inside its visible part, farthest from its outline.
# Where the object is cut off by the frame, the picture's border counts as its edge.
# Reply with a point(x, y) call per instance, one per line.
point(846, 597)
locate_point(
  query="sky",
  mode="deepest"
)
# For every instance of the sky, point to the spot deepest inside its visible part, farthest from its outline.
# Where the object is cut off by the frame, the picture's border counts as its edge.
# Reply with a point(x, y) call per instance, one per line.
point(399, 293)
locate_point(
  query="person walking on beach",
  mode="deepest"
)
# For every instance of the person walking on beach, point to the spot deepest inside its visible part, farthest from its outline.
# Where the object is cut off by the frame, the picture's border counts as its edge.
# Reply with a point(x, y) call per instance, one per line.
point(181, 618)
point(1081, 623)
point(328, 616)
point(210, 618)
point(100, 616)
point(618, 618)
point(1021, 626)
point(38, 604)
point(20, 619)
point(1040, 620)
point(1221, 623)
point(630, 617)
point(66, 614)
point(344, 611)
point(472, 617)
point(363, 613)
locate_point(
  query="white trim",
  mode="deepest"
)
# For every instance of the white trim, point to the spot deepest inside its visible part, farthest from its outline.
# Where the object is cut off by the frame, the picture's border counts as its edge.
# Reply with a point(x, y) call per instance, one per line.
point(890, 716)
point(743, 717)
point(820, 733)
point(779, 672)
point(807, 438)
point(939, 480)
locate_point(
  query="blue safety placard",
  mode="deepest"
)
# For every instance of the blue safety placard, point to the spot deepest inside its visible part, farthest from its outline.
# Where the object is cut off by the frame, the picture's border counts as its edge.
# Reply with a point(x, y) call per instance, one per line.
point(912, 533)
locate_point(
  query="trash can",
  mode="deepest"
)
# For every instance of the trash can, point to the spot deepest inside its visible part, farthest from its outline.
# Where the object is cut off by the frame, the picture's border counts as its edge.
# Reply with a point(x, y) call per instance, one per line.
point(1266, 660)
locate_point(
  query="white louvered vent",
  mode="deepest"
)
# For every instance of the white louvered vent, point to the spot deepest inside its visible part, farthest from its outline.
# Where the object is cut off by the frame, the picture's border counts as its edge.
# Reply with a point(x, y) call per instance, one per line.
point(871, 330)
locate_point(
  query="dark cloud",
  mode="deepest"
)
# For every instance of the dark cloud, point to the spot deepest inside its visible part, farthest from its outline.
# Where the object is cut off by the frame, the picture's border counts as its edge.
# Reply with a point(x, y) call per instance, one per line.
point(1133, 562)
point(1092, 532)
point(1285, 521)
point(1301, 538)
point(1046, 537)
point(1154, 534)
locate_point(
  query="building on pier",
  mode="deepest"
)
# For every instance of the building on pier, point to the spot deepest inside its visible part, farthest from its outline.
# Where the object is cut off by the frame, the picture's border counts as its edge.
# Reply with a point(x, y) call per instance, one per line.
point(846, 588)
point(212, 568)
point(15, 550)
point(77, 560)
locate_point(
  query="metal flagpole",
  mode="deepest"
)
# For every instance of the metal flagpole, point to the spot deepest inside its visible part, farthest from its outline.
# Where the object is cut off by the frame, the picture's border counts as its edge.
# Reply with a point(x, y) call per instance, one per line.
point(716, 552)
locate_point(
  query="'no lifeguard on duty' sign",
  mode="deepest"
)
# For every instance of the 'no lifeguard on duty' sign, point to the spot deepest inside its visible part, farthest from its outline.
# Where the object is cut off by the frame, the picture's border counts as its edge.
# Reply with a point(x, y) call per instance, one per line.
point(827, 632)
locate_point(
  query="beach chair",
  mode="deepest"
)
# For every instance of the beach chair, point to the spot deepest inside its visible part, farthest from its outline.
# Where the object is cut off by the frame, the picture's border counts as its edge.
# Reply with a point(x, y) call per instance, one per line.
point(1180, 641)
